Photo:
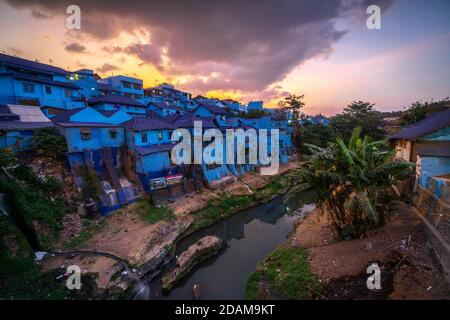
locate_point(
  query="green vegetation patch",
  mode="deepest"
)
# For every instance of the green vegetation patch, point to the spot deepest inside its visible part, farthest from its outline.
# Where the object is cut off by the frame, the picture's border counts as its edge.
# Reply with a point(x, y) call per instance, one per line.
point(288, 272)
point(221, 208)
point(152, 214)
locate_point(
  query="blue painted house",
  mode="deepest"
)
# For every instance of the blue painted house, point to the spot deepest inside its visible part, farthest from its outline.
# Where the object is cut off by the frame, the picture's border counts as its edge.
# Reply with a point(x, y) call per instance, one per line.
point(28, 82)
point(96, 146)
point(427, 143)
point(126, 86)
point(113, 102)
point(255, 105)
point(18, 124)
point(149, 141)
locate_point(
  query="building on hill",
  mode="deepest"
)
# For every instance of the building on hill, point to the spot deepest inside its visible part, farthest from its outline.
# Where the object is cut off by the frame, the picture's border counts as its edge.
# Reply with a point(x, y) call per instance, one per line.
point(18, 124)
point(26, 82)
point(97, 157)
point(427, 143)
point(126, 86)
point(255, 105)
point(149, 142)
point(113, 102)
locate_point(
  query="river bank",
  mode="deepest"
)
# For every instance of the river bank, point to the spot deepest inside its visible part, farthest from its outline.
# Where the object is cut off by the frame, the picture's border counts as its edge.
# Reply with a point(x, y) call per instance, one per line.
point(145, 236)
point(312, 265)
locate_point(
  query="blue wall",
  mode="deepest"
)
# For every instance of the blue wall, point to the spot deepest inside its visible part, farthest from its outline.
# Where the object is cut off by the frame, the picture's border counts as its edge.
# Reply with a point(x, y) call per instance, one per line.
point(100, 137)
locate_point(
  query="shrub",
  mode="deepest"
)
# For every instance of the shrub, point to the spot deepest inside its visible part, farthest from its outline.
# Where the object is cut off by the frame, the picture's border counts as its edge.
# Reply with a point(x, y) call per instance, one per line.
point(48, 143)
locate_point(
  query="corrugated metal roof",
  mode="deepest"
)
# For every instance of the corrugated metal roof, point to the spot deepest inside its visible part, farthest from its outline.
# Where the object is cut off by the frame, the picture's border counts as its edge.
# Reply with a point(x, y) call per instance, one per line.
point(28, 113)
point(434, 122)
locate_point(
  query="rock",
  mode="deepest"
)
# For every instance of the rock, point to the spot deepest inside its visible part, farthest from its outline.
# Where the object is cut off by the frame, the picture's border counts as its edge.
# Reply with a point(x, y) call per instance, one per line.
point(196, 253)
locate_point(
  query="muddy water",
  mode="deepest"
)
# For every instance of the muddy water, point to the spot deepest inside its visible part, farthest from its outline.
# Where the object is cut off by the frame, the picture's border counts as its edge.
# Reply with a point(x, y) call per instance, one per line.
point(249, 236)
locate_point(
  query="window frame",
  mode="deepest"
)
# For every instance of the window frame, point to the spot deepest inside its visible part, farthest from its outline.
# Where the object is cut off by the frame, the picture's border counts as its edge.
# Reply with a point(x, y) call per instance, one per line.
point(27, 85)
point(86, 134)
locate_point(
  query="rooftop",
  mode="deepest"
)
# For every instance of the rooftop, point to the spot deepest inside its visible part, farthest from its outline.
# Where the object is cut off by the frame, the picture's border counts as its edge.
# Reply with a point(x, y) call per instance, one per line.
point(146, 124)
point(29, 65)
point(115, 99)
point(434, 122)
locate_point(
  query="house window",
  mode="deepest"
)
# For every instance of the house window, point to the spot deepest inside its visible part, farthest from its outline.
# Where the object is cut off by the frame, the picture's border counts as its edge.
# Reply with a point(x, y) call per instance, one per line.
point(126, 84)
point(160, 135)
point(85, 134)
point(28, 87)
point(169, 135)
point(127, 94)
point(144, 137)
point(137, 96)
point(113, 133)
point(137, 86)
point(48, 89)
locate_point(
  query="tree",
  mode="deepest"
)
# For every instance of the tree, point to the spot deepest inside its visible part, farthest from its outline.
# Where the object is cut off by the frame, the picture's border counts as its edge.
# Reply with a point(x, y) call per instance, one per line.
point(48, 143)
point(253, 114)
point(359, 114)
point(350, 182)
point(309, 133)
point(293, 104)
point(420, 110)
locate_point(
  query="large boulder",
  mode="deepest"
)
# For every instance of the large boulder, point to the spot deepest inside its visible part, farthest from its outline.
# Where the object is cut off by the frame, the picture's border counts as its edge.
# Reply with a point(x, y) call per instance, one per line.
point(196, 253)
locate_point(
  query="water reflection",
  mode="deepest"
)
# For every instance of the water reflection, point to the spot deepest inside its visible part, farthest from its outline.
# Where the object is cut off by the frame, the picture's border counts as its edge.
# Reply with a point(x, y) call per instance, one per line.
point(249, 236)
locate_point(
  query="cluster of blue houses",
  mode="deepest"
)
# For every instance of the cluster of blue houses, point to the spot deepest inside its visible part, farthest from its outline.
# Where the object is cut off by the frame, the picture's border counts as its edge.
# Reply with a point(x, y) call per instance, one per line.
point(120, 132)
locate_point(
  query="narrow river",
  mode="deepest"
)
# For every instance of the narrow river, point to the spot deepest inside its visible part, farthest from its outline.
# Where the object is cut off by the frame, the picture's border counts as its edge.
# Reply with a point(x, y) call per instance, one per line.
point(249, 236)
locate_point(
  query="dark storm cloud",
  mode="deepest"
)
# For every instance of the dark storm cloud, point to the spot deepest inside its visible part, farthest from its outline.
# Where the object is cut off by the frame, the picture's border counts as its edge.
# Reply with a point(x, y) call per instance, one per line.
point(107, 68)
point(76, 47)
point(246, 44)
point(39, 14)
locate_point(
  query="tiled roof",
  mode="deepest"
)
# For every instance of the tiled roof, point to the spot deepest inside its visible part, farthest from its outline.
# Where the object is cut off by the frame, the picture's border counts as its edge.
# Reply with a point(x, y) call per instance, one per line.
point(115, 99)
point(30, 65)
point(434, 122)
point(145, 124)
point(155, 148)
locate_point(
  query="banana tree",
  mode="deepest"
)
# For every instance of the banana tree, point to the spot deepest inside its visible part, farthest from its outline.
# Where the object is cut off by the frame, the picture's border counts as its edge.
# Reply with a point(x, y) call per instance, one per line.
point(351, 182)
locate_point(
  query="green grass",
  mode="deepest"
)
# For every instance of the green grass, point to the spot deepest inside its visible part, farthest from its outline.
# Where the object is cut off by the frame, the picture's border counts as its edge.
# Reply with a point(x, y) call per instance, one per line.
point(152, 214)
point(21, 279)
point(288, 272)
point(252, 286)
point(221, 208)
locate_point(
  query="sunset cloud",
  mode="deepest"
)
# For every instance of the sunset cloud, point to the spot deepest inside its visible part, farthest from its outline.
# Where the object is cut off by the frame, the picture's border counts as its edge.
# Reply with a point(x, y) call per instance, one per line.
point(246, 46)
point(76, 47)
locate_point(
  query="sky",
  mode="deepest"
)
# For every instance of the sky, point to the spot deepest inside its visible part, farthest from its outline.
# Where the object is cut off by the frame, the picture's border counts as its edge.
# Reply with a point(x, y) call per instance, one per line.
point(248, 50)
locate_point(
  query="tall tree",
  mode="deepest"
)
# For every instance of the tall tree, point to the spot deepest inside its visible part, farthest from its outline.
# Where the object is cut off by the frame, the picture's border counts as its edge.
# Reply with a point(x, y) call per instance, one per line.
point(359, 114)
point(293, 104)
